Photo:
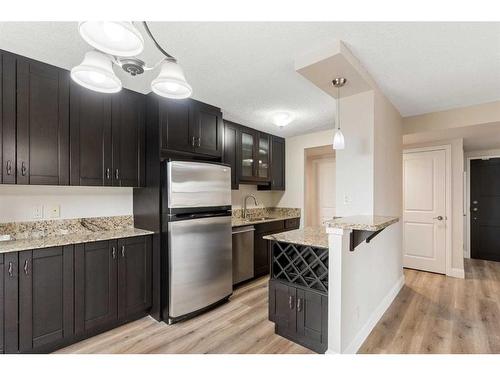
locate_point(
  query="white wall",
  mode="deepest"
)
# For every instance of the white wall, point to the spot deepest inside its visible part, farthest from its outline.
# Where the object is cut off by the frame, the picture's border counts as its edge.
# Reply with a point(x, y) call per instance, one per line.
point(264, 198)
point(17, 202)
point(354, 164)
point(295, 161)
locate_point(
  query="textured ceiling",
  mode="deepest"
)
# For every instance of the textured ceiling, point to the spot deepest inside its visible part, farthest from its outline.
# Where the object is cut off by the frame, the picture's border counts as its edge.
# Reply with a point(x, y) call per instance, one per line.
point(247, 69)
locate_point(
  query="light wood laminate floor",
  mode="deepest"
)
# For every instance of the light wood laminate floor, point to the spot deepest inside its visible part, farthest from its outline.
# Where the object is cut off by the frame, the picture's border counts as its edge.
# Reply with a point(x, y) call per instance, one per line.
point(239, 326)
point(439, 314)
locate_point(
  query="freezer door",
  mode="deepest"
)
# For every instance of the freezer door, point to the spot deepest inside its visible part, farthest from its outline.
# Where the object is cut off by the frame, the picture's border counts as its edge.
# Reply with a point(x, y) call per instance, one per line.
point(192, 184)
point(200, 263)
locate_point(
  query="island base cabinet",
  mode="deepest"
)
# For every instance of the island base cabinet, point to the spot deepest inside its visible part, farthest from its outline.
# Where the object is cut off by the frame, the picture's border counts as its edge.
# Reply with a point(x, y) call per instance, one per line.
point(45, 298)
point(299, 314)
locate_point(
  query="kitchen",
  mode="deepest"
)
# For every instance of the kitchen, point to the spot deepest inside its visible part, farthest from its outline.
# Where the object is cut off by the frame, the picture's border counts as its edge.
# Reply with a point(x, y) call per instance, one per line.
point(177, 182)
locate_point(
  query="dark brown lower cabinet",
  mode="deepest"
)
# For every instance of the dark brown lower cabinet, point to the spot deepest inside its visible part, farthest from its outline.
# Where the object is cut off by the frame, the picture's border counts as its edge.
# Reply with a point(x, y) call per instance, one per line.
point(262, 259)
point(299, 314)
point(52, 297)
point(45, 298)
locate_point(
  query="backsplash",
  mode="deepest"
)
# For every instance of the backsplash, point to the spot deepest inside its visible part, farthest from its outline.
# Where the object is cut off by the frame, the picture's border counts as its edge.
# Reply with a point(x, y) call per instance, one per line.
point(255, 213)
point(46, 228)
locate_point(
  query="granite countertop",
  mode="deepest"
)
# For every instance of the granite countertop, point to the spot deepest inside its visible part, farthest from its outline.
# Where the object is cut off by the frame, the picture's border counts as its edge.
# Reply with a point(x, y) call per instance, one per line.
point(362, 222)
point(308, 236)
point(69, 239)
point(263, 215)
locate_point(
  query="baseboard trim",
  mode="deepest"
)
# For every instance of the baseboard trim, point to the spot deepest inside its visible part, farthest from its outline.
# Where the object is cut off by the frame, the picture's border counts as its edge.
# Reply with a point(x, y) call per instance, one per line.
point(457, 272)
point(374, 318)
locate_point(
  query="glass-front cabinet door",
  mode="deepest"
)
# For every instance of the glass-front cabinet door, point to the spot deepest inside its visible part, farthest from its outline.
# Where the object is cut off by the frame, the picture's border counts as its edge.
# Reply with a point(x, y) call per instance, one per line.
point(247, 155)
point(263, 157)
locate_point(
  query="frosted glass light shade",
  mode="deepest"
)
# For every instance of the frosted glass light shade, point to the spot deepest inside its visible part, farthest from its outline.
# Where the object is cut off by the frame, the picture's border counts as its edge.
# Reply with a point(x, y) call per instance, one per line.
point(338, 140)
point(96, 73)
point(112, 37)
point(282, 119)
point(171, 82)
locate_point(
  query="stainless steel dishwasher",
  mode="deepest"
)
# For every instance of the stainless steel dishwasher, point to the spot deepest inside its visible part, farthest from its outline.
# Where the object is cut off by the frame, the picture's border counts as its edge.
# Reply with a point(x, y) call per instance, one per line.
point(242, 253)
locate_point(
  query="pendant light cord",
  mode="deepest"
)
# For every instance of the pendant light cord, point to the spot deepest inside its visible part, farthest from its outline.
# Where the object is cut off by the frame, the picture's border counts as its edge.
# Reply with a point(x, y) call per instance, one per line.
point(338, 107)
point(169, 57)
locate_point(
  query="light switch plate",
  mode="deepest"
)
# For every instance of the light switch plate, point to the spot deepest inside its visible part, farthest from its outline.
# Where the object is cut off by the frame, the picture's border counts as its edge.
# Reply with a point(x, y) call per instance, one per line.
point(38, 212)
point(54, 211)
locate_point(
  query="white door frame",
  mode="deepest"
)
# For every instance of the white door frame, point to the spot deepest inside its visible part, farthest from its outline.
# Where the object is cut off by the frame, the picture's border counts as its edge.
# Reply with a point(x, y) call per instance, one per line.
point(448, 190)
point(467, 197)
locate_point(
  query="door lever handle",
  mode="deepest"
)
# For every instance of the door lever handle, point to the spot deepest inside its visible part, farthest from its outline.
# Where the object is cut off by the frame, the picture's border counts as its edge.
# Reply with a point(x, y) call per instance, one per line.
point(438, 217)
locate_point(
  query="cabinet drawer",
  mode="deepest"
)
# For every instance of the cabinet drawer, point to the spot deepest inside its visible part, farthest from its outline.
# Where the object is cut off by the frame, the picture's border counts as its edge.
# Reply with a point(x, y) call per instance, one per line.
point(273, 226)
point(292, 223)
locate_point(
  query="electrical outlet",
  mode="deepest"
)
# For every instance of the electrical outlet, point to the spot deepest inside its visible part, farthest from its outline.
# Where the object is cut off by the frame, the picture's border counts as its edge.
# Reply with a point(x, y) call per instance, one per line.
point(54, 211)
point(38, 212)
point(347, 199)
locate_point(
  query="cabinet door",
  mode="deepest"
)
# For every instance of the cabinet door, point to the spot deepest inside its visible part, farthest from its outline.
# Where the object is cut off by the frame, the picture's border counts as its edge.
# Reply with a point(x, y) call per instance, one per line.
point(128, 138)
point(174, 118)
point(282, 301)
point(7, 118)
point(45, 297)
point(134, 276)
point(277, 163)
point(261, 255)
point(91, 157)
point(312, 319)
point(247, 141)
point(95, 285)
point(2, 274)
point(231, 153)
point(42, 124)
point(263, 157)
point(207, 128)
point(10, 303)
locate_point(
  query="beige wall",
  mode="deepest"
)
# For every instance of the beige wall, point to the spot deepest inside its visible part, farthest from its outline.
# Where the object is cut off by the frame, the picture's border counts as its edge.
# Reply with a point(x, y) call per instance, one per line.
point(264, 198)
point(457, 173)
point(454, 118)
point(295, 162)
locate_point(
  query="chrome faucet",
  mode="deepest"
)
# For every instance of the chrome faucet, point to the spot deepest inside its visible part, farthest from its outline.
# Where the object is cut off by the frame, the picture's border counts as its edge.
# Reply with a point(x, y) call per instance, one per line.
point(245, 213)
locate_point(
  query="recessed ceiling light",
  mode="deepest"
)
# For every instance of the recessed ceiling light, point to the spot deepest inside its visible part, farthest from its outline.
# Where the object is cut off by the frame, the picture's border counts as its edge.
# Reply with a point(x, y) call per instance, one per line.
point(282, 119)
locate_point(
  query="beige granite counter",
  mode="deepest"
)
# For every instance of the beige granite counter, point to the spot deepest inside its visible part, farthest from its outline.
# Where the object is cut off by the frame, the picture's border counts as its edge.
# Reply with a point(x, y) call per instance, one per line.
point(263, 215)
point(362, 222)
point(49, 233)
point(308, 236)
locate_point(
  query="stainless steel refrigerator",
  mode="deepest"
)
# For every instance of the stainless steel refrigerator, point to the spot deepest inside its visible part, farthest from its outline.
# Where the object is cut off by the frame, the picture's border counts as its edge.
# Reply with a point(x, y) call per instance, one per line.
point(197, 229)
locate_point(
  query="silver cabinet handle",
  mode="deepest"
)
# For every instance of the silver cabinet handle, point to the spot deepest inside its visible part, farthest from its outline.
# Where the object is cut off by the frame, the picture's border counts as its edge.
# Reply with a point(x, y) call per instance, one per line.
point(26, 269)
point(290, 302)
point(299, 304)
point(199, 141)
point(113, 252)
point(193, 141)
point(438, 218)
point(123, 251)
point(117, 173)
point(108, 173)
point(11, 269)
point(23, 168)
point(9, 167)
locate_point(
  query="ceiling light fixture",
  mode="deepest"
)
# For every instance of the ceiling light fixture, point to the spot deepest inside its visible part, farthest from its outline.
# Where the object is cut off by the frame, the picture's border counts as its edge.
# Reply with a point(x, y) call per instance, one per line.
point(282, 119)
point(338, 137)
point(120, 42)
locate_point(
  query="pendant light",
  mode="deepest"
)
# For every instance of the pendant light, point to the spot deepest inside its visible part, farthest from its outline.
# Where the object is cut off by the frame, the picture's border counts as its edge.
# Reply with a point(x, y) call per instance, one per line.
point(120, 42)
point(96, 73)
point(338, 138)
point(171, 82)
point(114, 38)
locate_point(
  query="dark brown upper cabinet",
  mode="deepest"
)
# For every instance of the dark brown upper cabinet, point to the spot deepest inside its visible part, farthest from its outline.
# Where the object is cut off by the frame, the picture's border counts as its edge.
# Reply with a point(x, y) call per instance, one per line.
point(263, 156)
point(107, 138)
point(187, 126)
point(91, 143)
point(34, 123)
point(277, 163)
point(231, 151)
point(128, 134)
point(7, 118)
point(248, 140)
point(45, 297)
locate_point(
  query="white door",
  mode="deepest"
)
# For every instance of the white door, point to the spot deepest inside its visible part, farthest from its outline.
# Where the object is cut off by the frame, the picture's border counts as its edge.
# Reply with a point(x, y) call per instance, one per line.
point(325, 178)
point(424, 210)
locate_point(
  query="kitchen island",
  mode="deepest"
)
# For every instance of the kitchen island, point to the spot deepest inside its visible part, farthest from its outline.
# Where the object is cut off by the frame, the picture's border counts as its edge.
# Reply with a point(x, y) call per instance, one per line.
point(298, 288)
